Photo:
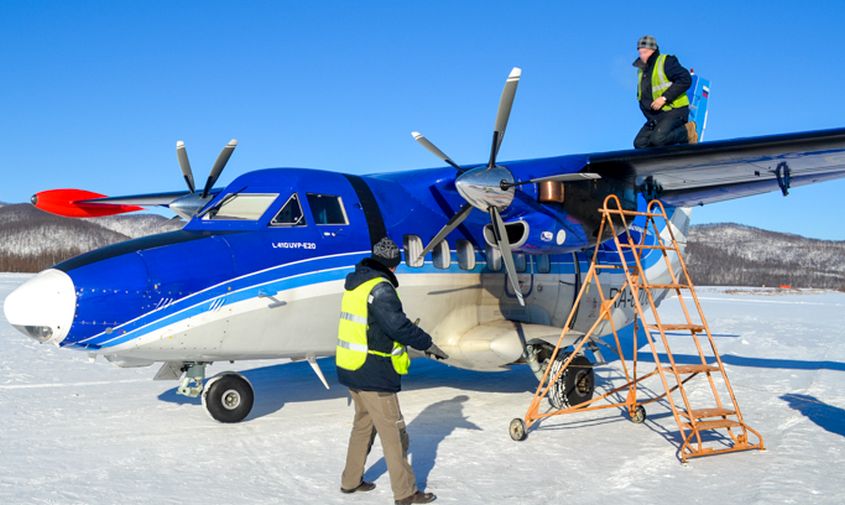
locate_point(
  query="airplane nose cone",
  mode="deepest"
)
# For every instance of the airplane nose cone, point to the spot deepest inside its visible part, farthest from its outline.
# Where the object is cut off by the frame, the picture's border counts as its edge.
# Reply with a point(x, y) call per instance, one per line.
point(43, 307)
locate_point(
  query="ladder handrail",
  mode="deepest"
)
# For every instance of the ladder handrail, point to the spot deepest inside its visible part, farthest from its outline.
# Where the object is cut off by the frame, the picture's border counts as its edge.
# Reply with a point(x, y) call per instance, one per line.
point(710, 339)
point(631, 264)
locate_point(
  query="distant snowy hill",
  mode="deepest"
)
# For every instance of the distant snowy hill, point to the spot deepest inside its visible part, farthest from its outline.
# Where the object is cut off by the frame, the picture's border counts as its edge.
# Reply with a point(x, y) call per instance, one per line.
point(718, 254)
point(733, 254)
point(31, 240)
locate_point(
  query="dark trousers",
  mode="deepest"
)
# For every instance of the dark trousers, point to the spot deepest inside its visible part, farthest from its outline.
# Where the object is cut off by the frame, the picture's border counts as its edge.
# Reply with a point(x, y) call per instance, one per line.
point(665, 130)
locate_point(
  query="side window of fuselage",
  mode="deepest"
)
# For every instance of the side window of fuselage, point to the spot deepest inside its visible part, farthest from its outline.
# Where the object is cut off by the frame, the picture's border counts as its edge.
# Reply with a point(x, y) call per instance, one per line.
point(544, 263)
point(494, 259)
point(327, 209)
point(291, 213)
point(520, 262)
point(440, 256)
point(466, 255)
point(413, 247)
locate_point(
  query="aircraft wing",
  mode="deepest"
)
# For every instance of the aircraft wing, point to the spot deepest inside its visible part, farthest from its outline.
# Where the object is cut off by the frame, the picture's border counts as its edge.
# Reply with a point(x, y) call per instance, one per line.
point(727, 169)
point(145, 200)
point(82, 203)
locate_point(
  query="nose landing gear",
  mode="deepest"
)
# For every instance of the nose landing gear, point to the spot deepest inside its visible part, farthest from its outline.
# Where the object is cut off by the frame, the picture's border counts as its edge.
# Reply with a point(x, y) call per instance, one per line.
point(227, 397)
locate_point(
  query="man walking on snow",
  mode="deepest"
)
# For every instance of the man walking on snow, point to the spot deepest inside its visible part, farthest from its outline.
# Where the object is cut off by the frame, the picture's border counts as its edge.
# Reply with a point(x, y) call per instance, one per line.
point(662, 85)
point(371, 358)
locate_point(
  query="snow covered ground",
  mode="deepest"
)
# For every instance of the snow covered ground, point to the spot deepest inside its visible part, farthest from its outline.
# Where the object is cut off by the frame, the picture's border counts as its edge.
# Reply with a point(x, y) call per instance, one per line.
point(76, 432)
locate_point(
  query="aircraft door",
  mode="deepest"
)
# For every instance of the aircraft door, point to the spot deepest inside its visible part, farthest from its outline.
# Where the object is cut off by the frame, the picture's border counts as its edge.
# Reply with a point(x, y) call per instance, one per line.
point(336, 212)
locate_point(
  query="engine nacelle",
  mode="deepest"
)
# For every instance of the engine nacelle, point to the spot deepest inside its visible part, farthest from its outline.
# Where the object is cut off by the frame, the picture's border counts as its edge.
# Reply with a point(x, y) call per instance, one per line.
point(542, 234)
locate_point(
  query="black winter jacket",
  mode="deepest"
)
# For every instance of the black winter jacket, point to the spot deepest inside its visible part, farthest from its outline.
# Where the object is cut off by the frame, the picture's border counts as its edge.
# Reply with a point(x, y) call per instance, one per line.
point(387, 323)
point(680, 77)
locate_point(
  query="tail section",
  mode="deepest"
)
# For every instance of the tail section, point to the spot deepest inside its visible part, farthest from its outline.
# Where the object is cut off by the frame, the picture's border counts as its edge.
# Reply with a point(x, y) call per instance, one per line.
point(699, 96)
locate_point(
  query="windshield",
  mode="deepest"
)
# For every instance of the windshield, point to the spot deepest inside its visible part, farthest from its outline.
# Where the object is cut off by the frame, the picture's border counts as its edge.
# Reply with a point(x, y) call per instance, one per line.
point(241, 207)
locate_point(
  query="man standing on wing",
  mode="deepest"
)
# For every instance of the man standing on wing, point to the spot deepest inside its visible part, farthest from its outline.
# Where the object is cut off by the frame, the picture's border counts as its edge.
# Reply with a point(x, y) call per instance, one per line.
point(371, 358)
point(662, 85)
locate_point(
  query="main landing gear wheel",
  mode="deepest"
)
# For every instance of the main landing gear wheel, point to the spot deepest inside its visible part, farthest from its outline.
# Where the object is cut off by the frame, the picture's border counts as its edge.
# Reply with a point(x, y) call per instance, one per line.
point(228, 397)
point(517, 430)
point(576, 384)
point(639, 416)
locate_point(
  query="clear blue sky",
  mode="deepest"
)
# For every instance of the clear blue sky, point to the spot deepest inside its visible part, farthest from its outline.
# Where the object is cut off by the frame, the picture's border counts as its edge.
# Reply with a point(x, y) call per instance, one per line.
point(95, 94)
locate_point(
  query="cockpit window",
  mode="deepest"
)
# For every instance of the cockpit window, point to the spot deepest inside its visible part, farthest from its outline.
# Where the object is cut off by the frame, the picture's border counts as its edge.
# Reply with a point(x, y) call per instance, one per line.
point(291, 214)
point(241, 207)
point(327, 209)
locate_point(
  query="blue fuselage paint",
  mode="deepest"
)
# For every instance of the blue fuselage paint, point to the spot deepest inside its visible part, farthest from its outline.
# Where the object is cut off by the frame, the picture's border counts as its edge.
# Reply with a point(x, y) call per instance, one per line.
point(129, 289)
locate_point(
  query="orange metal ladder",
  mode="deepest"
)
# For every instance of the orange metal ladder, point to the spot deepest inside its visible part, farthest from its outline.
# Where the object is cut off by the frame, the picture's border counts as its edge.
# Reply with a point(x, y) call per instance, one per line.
point(693, 423)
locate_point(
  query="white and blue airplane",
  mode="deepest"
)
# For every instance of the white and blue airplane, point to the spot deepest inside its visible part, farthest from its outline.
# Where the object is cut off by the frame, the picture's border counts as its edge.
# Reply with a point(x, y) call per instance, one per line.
point(257, 272)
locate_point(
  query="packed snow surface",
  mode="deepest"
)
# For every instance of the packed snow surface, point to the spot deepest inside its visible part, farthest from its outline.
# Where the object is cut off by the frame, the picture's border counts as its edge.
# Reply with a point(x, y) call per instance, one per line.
point(73, 432)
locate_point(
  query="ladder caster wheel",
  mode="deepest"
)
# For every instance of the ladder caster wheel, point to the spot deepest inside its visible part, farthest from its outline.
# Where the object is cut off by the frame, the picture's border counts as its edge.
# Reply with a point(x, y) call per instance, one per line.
point(517, 430)
point(639, 416)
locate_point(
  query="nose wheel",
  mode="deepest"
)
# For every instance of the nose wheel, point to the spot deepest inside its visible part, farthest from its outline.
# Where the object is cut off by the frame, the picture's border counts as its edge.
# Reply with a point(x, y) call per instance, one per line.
point(228, 397)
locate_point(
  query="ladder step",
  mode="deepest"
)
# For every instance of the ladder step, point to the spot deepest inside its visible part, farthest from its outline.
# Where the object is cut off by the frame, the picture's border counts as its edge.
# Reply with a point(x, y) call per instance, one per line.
point(633, 213)
point(711, 412)
point(647, 246)
point(670, 327)
point(713, 425)
point(664, 286)
point(689, 369)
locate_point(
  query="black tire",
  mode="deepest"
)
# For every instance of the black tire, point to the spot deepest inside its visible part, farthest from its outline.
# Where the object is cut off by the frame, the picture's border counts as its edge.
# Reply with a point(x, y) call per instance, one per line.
point(517, 430)
point(576, 385)
point(228, 398)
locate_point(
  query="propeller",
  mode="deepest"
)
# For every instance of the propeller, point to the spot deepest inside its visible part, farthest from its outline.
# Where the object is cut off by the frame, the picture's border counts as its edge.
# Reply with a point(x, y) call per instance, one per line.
point(188, 205)
point(453, 223)
point(574, 177)
point(185, 165)
point(489, 188)
point(216, 170)
point(219, 164)
point(505, 104)
point(419, 137)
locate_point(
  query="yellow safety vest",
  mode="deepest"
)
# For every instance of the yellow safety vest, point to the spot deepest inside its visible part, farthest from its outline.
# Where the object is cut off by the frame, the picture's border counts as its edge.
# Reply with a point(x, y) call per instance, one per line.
point(352, 349)
point(659, 84)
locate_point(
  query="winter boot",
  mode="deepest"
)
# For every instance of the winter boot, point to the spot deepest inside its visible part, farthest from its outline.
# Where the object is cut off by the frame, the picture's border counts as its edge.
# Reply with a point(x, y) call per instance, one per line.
point(692, 135)
point(364, 486)
point(418, 497)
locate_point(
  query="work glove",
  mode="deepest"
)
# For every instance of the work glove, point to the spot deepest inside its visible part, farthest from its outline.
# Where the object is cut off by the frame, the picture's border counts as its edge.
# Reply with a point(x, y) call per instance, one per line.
point(436, 352)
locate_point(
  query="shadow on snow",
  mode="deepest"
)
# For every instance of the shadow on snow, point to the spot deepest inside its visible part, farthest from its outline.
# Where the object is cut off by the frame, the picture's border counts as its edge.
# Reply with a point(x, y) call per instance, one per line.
point(277, 385)
point(826, 416)
point(431, 426)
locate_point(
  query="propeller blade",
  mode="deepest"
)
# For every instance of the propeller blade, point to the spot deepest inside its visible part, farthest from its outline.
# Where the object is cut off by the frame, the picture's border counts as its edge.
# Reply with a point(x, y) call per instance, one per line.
point(185, 165)
point(574, 177)
point(453, 223)
point(501, 235)
point(222, 159)
point(419, 137)
point(577, 176)
point(505, 104)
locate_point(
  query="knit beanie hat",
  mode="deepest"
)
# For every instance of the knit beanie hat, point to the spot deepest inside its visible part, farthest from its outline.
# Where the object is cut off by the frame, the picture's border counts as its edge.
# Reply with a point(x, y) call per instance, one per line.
point(648, 42)
point(386, 252)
